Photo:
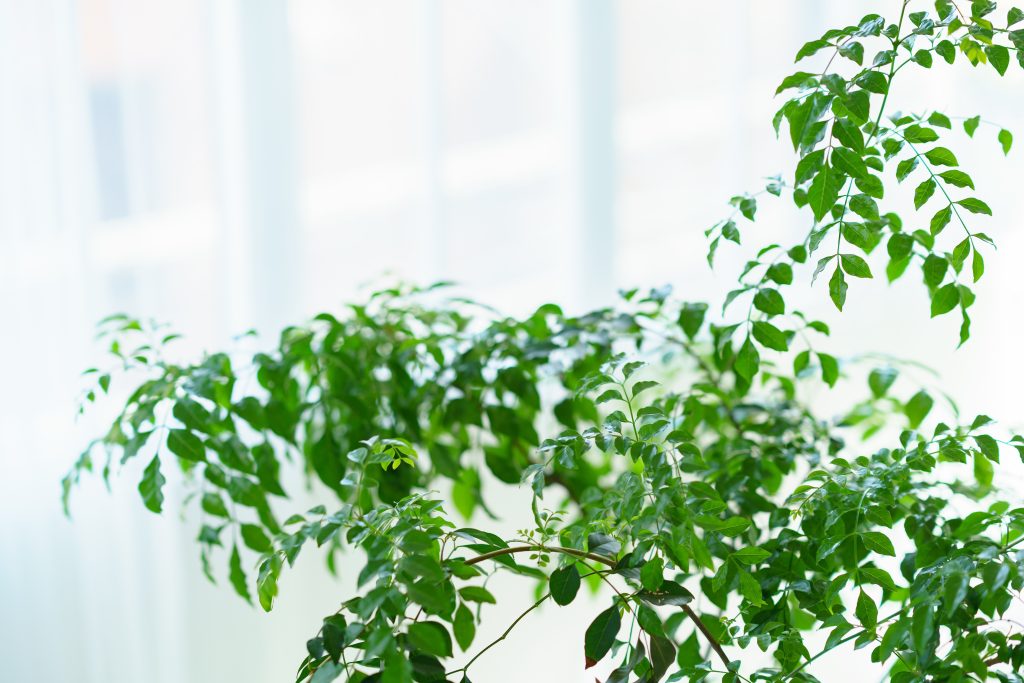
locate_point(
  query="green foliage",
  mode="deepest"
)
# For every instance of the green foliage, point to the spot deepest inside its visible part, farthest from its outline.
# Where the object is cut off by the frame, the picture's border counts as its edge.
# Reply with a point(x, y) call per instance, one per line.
point(668, 454)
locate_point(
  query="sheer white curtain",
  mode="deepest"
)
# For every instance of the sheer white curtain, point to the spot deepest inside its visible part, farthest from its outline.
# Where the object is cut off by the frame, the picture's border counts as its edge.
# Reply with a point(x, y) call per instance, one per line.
point(236, 163)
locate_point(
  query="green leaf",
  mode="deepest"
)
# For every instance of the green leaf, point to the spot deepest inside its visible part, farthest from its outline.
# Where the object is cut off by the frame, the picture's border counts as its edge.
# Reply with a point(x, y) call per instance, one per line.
point(640, 387)
point(849, 162)
point(922, 628)
point(939, 120)
point(327, 672)
point(971, 125)
point(430, 638)
point(988, 445)
point(237, 575)
point(960, 252)
point(940, 220)
point(191, 414)
point(905, 168)
point(464, 627)
point(853, 51)
point(797, 115)
point(975, 205)
point(796, 80)
point(837, 288)
point(747, 361)
point(751, 555)
point(652, 574)
point(823, 192)
point(829, 369)
point(733, 526)
point(946, 50)
point(877, 542)
point(934, 270)
point(731, 232)
point(770, 336)
point(917, 133)
point(854, 265)
point(670, 593)
point(603, 544)
point(266, 581)
point(750, 589)
point(663, 654)
point(712, 248)
point(810, 48)
point(917, 408)
point(880, 379)
point(873, 81)
point(477, 594)
point(255, 538)
point(690, 652)
point(808, 166)
point(1005, 140)
point(435, 598)
point(780, 273)
point(923, 193)
point(867, 610)
point(848, 133)
point(941, 156)
point(213, 504)
point(748, 207)
point(900, 244)
point(600, 635)
point(865, 207)
point(945, 299)
point(769, 301)
point(152, 484)
point(998, 57)
point(957, 178)
point(186, 445)
point(564, 584)
point(858, 103)
point(877, 576)
point(482, 536)
point(396, 669)
point(691, 317)
point(983, 470)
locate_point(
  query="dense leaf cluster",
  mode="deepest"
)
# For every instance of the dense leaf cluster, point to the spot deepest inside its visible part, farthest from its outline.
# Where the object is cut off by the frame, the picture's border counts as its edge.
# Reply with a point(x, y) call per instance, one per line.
point(670, 456)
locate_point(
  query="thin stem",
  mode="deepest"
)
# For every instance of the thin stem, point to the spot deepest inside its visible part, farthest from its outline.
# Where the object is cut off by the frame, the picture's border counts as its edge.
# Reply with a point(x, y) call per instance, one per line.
point(846, 639)
point(503, 636)
point(892, 70)
point(935, 179)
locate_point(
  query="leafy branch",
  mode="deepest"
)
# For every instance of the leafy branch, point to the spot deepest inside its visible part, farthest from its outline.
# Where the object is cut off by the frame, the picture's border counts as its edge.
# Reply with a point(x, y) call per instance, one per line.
point(670, 452)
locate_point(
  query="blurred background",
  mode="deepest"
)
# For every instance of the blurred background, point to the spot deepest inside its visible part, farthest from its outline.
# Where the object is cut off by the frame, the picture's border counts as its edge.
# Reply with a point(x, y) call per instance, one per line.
point(233, 164)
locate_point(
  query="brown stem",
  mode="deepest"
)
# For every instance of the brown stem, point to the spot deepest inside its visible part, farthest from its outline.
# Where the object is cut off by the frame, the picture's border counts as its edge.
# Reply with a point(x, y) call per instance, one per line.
point(551, 549)
point(707, 634)
point(609, 562)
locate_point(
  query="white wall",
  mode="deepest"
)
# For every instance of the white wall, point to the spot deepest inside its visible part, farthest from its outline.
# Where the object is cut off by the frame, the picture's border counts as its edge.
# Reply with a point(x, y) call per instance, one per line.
point(238, 163)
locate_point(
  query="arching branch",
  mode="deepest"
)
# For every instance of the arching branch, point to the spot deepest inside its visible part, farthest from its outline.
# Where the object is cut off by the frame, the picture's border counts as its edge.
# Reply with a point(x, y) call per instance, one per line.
point(715, 645)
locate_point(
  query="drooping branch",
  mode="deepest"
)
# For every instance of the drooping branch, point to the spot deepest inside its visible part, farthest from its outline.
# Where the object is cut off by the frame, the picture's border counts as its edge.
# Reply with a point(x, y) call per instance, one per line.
point(504, 635)
point(694, 617)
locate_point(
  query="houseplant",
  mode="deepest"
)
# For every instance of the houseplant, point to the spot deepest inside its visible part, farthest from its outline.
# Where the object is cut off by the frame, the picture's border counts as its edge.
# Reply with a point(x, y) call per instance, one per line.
point(668, 455)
